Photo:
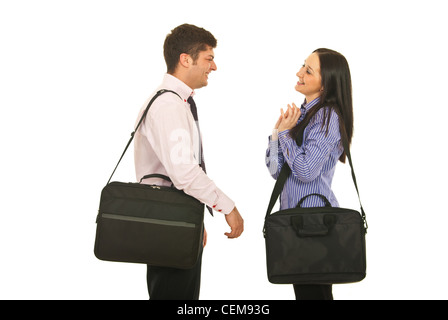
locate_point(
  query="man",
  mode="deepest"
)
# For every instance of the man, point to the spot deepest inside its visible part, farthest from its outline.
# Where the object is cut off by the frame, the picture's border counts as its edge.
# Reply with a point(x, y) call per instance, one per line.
point(168, 142)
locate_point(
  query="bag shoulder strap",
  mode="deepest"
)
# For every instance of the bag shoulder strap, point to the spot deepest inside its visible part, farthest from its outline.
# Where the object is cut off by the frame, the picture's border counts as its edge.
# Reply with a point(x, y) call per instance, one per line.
point(347, 152)
point(286, 170)
point(159, 93)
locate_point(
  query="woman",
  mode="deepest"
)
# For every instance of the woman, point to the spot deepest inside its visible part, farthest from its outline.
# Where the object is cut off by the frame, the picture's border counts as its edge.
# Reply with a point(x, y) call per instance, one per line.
point(308, 139)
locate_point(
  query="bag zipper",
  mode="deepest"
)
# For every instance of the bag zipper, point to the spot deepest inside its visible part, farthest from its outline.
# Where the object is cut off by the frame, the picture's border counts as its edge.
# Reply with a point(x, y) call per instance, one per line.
point(149, 220)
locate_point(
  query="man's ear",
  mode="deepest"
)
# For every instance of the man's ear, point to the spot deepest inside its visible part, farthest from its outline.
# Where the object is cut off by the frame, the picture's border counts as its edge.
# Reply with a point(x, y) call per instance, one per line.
point(185, 60)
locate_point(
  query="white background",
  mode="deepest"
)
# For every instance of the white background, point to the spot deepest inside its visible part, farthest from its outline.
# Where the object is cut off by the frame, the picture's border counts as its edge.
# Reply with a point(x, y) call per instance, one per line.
point(73, 75)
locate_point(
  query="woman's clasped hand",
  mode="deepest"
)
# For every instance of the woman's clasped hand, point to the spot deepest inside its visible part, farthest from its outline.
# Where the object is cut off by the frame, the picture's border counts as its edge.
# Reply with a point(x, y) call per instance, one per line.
point(288, 119)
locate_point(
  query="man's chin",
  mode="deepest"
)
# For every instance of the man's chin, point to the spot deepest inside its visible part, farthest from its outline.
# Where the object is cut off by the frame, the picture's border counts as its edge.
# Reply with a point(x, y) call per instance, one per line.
point(203, 84)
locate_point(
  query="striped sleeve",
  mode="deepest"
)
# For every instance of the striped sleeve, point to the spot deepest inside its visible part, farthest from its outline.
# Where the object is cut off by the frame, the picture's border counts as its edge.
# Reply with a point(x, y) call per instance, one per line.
point(274, 157)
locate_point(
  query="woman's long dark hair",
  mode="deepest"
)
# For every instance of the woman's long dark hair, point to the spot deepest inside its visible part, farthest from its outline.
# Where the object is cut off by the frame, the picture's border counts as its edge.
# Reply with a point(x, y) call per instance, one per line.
point(336, 95)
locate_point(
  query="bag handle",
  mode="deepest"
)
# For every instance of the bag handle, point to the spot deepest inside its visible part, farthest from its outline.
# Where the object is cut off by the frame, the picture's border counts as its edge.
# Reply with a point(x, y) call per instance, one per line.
point(159, 93)
point(324, 199)
point(157, 175)
point(286, 170)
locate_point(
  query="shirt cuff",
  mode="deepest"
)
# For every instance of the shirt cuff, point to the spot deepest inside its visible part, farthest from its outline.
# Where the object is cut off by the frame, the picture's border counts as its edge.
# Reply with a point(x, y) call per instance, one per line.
point(285, 142)
point(283, 134)
point(274, 135)
point(223, 203)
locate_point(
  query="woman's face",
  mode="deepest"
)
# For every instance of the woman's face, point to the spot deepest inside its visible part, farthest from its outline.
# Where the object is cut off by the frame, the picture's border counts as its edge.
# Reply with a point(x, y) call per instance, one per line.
point(310, 81)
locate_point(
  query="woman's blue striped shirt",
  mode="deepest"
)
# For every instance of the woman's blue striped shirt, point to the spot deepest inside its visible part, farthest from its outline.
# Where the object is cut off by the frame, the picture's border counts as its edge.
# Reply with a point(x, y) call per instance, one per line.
point(312, 164)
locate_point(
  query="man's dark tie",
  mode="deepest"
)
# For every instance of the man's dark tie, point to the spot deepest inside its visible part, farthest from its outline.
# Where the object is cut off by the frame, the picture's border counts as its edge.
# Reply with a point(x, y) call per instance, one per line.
point(194, 112)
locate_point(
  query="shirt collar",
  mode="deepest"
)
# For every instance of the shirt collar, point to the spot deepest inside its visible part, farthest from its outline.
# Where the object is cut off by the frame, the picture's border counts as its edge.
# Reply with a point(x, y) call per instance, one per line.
point(172, 83)
point(308, 106)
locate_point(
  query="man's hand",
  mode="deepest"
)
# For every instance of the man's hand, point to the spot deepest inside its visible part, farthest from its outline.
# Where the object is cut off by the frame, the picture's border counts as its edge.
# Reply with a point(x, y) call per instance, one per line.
point(204, 239)
point(236, 224)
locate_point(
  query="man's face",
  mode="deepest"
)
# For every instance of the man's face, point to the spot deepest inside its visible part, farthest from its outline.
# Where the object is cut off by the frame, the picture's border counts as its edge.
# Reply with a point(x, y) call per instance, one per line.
point(201, 68)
